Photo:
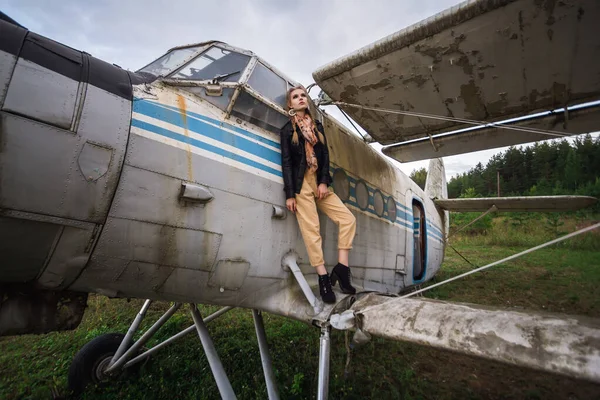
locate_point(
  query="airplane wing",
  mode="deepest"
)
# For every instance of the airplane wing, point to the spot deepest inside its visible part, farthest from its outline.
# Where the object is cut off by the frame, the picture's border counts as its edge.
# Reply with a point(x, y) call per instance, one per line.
point(530, 203)
point(482, 60)
point(548, 342)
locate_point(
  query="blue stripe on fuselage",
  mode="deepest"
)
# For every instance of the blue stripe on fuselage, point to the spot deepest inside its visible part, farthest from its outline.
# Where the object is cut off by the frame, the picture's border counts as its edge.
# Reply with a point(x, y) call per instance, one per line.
point(244, 132)
point(204, 146)
point(205, 129)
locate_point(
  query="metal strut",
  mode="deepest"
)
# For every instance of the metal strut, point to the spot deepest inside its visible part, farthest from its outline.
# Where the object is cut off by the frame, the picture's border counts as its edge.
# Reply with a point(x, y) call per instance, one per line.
point(173, 338)
point(145, 337)
point(261, 336)
point(132, 329)
point(324, 351)
point(123, 356)
point(289, 261)
point(225, 389)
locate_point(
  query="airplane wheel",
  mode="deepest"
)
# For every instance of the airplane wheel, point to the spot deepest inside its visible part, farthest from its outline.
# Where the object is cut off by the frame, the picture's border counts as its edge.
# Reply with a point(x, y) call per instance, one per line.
point(91, 361)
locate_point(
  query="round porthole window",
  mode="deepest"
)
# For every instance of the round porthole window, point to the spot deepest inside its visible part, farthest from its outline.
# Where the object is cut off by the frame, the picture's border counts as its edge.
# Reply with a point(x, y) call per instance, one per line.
point(341, 185)
point(362, 195)
point(391, 209)
point(378, 203)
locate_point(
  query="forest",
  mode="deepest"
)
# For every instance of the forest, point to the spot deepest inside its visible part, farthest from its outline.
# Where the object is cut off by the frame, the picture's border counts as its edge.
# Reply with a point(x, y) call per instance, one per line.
point(543, 169)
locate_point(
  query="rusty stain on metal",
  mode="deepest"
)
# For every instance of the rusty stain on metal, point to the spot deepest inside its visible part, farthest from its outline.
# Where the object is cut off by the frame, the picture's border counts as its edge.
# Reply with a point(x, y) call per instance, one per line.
point(183, 112)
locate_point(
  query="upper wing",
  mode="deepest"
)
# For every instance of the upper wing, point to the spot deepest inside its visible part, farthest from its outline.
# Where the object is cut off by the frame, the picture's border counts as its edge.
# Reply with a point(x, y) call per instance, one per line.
point(530, 203)
point(483, 60)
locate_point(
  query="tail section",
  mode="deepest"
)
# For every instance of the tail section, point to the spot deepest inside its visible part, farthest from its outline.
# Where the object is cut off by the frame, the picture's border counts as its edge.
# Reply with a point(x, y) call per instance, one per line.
point(436, 188)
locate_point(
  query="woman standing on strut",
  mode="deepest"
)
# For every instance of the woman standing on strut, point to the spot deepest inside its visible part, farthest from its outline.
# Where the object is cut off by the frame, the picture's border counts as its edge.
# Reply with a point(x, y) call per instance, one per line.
point(305, 164)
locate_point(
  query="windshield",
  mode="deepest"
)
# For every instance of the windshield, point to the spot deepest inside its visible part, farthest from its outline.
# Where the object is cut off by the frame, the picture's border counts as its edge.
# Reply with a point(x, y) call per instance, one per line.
point(269, 84)
point(215, 63)
point(169, 61)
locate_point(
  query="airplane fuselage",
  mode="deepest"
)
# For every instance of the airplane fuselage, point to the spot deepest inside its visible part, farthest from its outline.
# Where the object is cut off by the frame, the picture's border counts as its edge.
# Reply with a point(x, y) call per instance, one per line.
point(117, 184)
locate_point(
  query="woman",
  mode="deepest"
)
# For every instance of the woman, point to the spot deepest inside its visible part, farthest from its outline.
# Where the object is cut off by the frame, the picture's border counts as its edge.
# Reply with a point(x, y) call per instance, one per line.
point(305, 164)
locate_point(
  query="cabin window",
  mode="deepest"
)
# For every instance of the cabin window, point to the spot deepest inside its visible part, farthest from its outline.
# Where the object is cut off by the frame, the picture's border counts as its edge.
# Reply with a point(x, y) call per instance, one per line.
point(362, 195)
point(378, 204)
point(391, 209)
point(341, 185)
point(258, 113)
point(169, 61)
point(215, 63)
point(268, 84)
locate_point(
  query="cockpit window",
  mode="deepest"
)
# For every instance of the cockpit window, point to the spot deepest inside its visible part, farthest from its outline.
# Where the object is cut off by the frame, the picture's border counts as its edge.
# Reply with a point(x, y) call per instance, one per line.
point(215, 63)
point(269, 84)
point(258, 113)
point(169, 61)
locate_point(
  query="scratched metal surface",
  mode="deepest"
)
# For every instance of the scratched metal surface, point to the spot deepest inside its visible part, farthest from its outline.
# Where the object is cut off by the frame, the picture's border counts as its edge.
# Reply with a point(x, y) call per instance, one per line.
point(480, 60)
point(7, 65)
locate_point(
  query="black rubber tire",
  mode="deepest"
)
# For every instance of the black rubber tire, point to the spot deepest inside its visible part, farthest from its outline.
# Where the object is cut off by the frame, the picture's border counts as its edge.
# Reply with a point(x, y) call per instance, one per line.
point(83, 368)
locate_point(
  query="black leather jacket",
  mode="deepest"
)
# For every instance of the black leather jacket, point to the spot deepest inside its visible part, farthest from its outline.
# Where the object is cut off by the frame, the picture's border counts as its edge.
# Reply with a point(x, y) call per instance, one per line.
point(293, 160)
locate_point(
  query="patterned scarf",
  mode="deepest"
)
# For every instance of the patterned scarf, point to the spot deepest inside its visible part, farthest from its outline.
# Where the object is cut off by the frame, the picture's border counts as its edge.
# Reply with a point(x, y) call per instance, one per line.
point(307, 127)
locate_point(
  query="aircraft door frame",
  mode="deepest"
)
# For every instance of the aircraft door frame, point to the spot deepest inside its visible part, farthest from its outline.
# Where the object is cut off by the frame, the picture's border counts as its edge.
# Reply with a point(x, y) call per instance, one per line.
point(410, 279)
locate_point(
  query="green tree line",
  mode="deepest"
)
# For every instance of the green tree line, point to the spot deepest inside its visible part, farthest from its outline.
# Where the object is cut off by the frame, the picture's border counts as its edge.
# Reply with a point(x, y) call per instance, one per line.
point(546, 168)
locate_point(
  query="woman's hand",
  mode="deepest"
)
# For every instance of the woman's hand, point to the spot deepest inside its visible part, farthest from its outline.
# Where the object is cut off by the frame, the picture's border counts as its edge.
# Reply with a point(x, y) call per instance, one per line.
point(291, 204)
point(322, 191)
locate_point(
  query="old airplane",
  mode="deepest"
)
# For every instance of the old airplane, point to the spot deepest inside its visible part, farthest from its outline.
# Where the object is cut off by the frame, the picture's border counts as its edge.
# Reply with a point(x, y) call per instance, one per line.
point(165, 183)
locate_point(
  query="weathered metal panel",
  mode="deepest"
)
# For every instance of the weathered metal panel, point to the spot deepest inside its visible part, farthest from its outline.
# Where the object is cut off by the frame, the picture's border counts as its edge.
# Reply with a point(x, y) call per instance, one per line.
point(39, 185)
point(105, 119)
point(149, 196)
point(481, 60)
point(7, 66)
point(70, 256)
point(42, 94)
point(229, 274)
point(25, 247)
point(50, 181)
point(148, 277)
point(104, 124)
point(68, 253)
point(556, 343)
point(94, 160)
point(530, 204)
point(159, 244)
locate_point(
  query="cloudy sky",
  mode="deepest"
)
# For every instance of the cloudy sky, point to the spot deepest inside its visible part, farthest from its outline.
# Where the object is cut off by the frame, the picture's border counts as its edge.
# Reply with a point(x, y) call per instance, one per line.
point(296, 37)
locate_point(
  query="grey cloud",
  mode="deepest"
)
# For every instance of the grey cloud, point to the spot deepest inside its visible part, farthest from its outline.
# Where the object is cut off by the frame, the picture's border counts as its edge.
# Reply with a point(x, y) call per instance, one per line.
point(296, 37)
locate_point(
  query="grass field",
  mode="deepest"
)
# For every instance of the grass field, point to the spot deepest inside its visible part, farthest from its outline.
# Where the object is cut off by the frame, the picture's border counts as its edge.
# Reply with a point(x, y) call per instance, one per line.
point(565, 279)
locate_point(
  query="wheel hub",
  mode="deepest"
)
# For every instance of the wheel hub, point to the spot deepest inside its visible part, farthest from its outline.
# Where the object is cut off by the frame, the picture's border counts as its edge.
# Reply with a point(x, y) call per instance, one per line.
point(101, 367)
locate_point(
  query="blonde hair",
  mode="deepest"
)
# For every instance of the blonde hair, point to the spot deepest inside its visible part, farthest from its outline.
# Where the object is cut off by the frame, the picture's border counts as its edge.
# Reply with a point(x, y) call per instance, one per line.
point(288, 98)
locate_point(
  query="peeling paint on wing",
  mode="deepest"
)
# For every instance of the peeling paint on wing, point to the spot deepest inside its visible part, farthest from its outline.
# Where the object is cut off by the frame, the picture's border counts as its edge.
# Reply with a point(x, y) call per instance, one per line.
point(569, 345)
point(513, 39)
point(471, 96)
point(348, 94)
point(418, 80)
point(379, 85)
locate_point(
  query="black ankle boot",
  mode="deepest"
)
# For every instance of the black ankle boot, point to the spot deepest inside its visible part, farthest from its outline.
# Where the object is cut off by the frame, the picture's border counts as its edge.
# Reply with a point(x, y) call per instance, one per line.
point(342, 273)
point(325, 289)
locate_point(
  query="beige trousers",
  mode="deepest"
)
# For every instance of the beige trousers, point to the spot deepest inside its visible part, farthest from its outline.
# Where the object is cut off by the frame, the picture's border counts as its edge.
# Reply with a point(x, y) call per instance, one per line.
point(308, 219)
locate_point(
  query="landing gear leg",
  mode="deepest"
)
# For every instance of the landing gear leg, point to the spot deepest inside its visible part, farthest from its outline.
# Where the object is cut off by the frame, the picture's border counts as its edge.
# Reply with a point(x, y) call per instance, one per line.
point(325, 342)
